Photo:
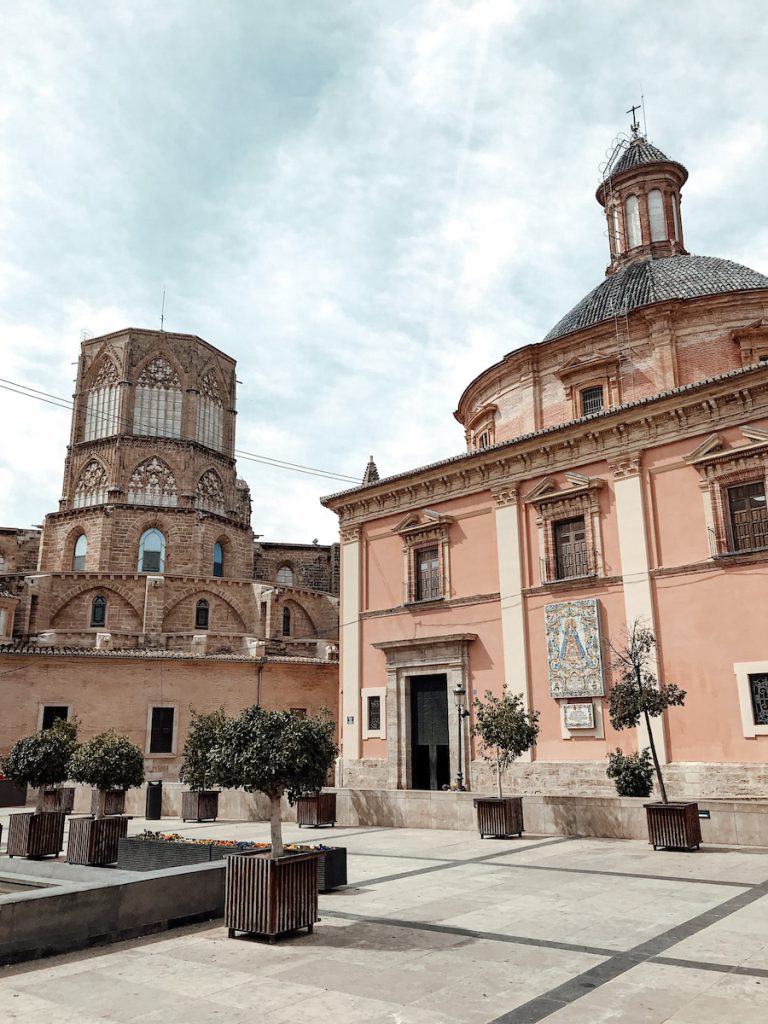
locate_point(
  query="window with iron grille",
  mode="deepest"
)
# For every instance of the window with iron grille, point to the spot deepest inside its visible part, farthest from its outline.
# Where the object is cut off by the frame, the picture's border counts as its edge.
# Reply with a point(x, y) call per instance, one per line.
point(374, 714)
point(591, 400)
point(428, 586)
point(161, 731)
point(748, 516)
point(571, 558)
point(758, 691)
point(201, 614)
point(99, 611)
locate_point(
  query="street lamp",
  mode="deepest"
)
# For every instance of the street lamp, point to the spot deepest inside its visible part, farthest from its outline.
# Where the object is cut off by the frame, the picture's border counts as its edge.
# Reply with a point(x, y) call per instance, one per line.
point(459, 693)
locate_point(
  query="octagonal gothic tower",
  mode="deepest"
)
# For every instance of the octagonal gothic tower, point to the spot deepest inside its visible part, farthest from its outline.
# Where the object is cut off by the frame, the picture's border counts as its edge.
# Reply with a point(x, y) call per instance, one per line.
point(149, 480)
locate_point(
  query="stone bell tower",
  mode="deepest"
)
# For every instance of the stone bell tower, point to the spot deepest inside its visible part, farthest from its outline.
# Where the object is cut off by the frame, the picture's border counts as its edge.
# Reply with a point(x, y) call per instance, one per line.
point(149, 479)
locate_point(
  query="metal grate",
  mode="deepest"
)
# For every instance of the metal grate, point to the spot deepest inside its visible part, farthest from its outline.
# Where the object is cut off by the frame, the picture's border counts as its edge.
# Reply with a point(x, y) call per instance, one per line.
point(758, 690)
point(591, 401)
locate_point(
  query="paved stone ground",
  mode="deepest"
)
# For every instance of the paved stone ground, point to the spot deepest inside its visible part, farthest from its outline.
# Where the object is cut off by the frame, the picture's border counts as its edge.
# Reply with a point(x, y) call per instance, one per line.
point(442, 927)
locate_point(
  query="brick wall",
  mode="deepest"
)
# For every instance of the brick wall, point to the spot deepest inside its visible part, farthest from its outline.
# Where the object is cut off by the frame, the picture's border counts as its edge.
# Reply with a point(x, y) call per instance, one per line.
point(314, 566)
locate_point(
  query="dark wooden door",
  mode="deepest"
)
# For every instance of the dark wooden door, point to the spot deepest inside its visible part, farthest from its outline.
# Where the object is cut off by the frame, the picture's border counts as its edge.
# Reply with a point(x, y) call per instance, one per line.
point(429, 732)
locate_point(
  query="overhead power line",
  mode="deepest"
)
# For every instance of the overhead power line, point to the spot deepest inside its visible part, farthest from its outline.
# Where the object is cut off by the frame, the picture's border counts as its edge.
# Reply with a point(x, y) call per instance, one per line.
point(267, 460)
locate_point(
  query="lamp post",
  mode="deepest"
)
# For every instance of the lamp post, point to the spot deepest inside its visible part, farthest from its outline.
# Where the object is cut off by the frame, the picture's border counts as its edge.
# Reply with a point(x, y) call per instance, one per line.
point(459, 693)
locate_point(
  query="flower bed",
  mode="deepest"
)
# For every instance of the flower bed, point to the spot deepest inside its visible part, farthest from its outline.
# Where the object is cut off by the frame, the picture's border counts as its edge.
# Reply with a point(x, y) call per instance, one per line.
point(154, 851)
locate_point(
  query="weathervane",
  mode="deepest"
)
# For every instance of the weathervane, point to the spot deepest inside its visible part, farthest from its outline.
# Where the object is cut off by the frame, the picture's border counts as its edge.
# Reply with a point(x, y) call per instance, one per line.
point(635, 126)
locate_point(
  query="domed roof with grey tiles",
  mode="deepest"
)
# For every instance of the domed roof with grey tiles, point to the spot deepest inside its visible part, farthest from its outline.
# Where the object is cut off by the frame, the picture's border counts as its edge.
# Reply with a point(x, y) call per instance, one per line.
point(638, 153)
point(649, 281)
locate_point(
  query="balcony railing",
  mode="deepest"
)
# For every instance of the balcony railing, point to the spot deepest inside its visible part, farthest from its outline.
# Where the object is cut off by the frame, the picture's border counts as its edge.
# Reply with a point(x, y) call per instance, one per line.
point(433, 588)
point(721, 546)
point(580, 564)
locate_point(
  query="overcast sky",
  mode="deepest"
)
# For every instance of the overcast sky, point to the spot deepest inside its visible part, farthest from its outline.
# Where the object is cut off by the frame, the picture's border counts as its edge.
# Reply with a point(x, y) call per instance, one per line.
point(365, 202)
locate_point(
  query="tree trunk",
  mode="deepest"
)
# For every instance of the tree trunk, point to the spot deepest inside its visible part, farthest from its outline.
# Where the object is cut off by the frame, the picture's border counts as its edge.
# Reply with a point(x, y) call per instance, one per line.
point(275, 827)
point(102, 803)
point(656, 764)
point(498, 778)
point(39, 803)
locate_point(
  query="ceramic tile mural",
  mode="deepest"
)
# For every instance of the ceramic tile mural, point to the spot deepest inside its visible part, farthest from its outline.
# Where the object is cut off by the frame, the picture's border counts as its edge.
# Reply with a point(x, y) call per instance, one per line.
point(574, 652)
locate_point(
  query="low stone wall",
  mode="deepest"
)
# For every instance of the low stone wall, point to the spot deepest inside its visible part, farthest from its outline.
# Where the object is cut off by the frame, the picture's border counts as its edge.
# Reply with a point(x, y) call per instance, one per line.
point(79, 914)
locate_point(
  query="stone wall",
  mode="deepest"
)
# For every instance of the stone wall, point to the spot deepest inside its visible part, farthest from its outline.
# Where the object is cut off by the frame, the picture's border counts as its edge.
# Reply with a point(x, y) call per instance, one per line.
point(314, 566)
point(18, 550)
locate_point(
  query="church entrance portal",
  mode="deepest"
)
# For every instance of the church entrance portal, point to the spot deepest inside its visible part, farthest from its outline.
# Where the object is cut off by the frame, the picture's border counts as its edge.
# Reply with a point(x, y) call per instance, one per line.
point(430, 759)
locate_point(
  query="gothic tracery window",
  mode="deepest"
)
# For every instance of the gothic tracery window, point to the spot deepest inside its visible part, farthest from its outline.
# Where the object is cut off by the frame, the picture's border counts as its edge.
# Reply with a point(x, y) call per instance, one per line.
point(102, 403)
point(152, 551)
point(285, 576)
point(99, 611)
point(210, 492)
point(209, 429)
point(91, 487)
point(153, 483)
point(218, 559)
point(157, 405)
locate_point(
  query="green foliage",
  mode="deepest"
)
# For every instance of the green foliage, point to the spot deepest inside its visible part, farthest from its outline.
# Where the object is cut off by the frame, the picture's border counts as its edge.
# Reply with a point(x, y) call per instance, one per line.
point(505, 729)
point(638, 692)
point(204, 730)
point(42, 759)
point(274, 752)
point(631, 773)
point(108, 761)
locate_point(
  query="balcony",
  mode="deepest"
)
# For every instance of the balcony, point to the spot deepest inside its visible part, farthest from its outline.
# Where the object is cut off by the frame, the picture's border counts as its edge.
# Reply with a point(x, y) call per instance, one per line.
point(569, 566)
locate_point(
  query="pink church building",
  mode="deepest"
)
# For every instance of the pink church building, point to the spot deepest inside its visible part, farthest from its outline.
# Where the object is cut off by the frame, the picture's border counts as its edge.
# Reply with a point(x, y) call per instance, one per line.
point(615, 471)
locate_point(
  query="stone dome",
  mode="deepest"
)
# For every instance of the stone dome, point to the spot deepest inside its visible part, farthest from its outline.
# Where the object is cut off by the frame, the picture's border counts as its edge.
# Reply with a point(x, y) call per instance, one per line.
point(649, 281)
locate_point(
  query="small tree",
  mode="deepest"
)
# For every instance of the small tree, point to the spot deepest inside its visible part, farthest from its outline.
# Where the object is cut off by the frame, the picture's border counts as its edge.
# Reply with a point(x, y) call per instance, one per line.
point(197, 767)
point(506, 730)
point(42, 760)
point(632, 774)
point(638, 693)
point(275, 752)
point(108, 761)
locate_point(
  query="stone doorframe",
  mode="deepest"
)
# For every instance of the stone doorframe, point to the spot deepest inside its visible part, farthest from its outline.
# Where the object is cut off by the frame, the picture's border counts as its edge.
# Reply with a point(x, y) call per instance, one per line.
point(424, 656)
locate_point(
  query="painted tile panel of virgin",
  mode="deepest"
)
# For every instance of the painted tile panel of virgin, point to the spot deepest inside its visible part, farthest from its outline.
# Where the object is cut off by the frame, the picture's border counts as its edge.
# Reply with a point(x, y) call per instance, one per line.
point(574, 655)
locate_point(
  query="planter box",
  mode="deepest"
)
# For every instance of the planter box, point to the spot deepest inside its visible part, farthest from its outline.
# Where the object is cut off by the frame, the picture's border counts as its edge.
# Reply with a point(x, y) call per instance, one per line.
point(499, 817)
point(94, 840)
point(270, 897)
point(36, 835)
point(673, 826)
point(316, 810)
point(12, 795)
point(332, 868)
point(62, 799)
point(200, 806)
point(115, 802)
point(157, 854)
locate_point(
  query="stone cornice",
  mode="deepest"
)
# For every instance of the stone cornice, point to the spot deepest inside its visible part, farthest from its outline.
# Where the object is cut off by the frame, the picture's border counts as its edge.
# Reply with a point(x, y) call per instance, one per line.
point(617, 436)
point(423, 606)
point(424, 641)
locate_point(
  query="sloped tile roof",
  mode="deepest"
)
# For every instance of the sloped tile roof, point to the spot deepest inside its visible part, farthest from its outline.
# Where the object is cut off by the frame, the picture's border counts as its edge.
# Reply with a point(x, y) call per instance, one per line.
point(649, 281)
point(637, 153)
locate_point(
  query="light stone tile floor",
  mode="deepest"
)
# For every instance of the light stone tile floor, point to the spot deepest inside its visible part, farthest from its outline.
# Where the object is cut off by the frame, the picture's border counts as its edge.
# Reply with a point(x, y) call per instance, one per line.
point(441, 927)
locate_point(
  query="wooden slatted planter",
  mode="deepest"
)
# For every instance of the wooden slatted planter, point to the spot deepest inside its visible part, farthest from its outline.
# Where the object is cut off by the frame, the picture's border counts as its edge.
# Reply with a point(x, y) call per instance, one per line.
point(62, 799)
point(115, 801)
point(316, 810)
point(200, 806)
point(673, 826)
point(270, 897)
point(157, 854)
point(499, 817)
point(40, 834)
point(94, 840)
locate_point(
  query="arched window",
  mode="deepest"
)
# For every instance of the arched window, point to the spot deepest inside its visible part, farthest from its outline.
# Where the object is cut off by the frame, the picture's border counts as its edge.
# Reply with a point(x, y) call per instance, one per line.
point(79, 553)
point(98, 611)
point(656, 216)
point(632, 212)
point(101, 403)
point(218, 559)
point(209, 428)
point(209, 493)
point(152, 551)
point(285, 576)
point(615, 231)
point(286, 621)
point(201, 614)
point(91, 487)
point(153, 483)
point(157, 403)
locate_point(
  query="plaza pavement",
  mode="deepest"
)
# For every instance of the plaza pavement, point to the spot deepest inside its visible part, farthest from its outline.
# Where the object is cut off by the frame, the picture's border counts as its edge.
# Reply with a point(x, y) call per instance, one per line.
point(439, 927)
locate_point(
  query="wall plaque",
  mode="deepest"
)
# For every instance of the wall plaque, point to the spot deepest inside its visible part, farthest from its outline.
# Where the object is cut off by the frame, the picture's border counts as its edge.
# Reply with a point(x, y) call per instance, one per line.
point(579, 716)
point(574, 655)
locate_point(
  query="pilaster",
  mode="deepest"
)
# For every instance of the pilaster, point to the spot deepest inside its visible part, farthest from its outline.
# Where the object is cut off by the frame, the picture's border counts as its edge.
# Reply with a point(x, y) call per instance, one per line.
point(349, 633)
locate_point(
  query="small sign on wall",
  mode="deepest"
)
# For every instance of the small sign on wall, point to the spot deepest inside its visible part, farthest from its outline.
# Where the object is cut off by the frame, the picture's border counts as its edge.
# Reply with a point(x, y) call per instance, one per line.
point(579, 716)
point(350, 719)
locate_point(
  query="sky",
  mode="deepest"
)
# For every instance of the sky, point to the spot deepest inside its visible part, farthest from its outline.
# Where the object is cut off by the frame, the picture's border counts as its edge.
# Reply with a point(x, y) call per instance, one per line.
point(364, 202)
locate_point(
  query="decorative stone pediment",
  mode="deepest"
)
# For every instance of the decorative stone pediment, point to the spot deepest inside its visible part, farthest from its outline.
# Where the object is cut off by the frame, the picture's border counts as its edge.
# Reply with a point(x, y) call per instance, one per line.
point(752, 341)
point(579, 371)
point(553, 502)
point(714, 452)
point(422, 523)
point(713, 443)
point(427, 650)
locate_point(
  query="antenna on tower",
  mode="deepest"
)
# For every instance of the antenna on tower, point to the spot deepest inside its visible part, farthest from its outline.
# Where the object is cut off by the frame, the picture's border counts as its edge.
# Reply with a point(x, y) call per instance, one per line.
point(162, 313)
point(642, 104)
